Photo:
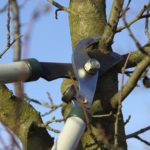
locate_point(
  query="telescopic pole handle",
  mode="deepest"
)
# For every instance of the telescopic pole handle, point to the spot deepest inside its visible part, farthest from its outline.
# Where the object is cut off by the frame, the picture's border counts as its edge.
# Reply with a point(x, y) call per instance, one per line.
point(21, 71)
point(72, 131)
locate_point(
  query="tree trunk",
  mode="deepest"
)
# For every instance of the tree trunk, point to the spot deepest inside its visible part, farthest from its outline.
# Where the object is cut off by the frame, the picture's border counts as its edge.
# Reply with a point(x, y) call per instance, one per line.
point(88, 18)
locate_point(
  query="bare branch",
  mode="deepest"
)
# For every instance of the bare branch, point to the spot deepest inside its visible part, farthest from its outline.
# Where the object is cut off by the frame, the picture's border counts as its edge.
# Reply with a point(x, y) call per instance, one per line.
point(102, 116)
point(128, 4)
point(48, 128)
point(110, 29)
point(16, 27)
point(136, 135)
point(128, 119)
point(52, 106)
point(146, 25)
point(8, 24)
point(50, 99)
point(17, 46)
point(59, 6)
point(144, 141)
point(132, 135)
point(116, 124)
point(52, 109)
point(132, 82)
point(53, 120)
point(132, 35)
point(14, 141)
point(138, 17)
point(7, 48)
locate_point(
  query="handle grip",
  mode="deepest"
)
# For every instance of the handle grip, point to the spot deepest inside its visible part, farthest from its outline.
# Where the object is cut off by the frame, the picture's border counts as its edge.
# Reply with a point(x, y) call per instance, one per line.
point(21, 71)
point(72, 131)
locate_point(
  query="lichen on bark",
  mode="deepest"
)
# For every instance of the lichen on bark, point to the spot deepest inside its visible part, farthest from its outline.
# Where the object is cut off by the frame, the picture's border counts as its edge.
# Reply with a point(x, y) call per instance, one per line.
point(23, 120)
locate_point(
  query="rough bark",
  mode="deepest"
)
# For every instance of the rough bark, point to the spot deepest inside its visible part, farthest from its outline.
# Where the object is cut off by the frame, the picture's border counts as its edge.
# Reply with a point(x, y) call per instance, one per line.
point(23, 120)
point(88, 18)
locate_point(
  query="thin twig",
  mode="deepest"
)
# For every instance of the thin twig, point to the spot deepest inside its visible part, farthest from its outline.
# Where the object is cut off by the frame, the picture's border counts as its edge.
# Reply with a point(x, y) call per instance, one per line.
point(80, 100)
point(127, 121)
point(59, 6)
point(147, 25)
point(136, 135)
point(132, 35)
point(46, 125)
point(132, 135)
point(48, 128)
point(53, 120)
point(53, 108)
point(56, 13)
point(127, 6)
point(50, 99)
point(8, 24)
point(14, 141)
point(138, 17)
point(132, 82)
point(142, 140)
point(7, 48)
point(102, 116)
point(116, 124)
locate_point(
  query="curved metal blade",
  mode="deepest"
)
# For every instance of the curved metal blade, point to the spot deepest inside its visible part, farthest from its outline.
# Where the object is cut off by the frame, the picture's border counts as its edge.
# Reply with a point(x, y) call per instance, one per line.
point(86, 82)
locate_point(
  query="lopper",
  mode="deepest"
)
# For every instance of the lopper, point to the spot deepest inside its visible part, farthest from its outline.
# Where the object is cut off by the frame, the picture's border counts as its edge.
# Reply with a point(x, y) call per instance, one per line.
point(86, 68)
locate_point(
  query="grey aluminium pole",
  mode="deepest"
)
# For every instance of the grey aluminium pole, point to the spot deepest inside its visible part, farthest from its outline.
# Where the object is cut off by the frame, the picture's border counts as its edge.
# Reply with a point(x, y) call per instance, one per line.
point(21, 71)
point(72, 131)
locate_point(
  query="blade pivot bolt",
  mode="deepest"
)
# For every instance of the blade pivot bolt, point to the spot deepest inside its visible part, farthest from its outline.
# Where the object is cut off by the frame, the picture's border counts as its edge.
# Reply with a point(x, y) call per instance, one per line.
point(92, 66)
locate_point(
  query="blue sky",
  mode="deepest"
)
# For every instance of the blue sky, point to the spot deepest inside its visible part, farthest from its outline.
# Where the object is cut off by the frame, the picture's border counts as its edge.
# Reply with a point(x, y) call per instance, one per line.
point(50, 41)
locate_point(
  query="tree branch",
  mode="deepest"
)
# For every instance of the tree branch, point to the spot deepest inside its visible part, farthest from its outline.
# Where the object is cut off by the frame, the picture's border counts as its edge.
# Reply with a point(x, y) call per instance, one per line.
point(116, 123)
point(17, 44)
point(16, 115)
point(147, 25)
point(132, 135)
point(137, 43)
point(136, 135)
point(135, 57)
point(7, 48)
point(138, 17)
point(60, 7)
point(131, 83)
point(110, 29)
point(144, 141)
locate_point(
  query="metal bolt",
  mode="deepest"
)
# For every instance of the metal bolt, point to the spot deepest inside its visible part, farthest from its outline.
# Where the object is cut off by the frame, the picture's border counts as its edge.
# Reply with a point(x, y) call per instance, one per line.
point(69, 94)
point(91, 66)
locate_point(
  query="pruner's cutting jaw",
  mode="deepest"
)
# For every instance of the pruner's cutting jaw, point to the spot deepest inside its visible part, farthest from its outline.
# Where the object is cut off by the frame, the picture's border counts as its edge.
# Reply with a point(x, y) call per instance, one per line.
point(86, 69)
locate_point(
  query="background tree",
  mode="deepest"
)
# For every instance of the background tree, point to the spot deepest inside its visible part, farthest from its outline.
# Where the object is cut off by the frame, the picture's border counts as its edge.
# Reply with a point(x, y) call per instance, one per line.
point(86, 18)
